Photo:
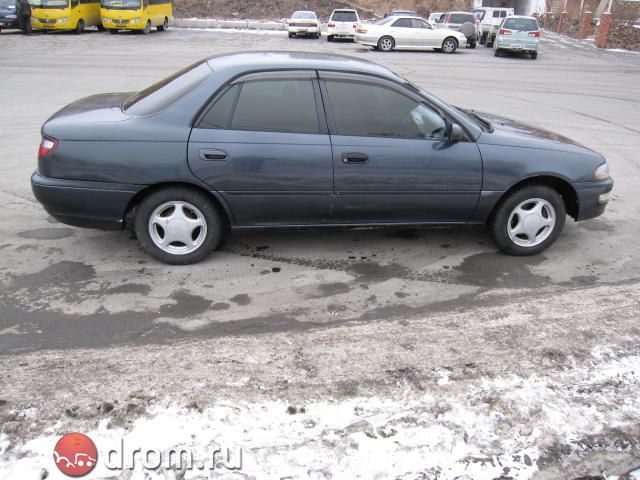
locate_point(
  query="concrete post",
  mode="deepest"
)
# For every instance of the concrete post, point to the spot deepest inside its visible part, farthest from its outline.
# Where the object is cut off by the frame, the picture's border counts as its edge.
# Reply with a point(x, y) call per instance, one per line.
point(585, 25)
point(603, 30)
point(546, 19)
point(563, 17)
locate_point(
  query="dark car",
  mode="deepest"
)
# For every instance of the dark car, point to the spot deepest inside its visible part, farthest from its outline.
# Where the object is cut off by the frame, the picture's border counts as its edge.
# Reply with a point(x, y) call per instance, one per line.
point(9, 14)
point(400, 13)
point(277, 139)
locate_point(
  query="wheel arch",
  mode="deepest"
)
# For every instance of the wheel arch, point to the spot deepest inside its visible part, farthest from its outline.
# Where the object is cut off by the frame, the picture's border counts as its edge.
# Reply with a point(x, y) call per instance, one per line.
point(560, 185)
point(452, 38)
point(215, 197)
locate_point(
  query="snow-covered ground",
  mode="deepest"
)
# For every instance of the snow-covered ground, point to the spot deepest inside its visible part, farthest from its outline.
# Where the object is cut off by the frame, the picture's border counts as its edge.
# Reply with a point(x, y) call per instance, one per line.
point(507, 426)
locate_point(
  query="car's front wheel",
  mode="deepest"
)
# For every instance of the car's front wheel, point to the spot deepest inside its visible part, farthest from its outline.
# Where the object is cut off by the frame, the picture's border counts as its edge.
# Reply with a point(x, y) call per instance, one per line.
point(528, 220)
point(386, 44)
point(178, 225)
point(449, 45)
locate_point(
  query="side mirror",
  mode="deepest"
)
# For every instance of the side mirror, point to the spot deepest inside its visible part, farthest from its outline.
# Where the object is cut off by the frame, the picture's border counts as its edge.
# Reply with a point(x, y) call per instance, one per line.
point(456, 134)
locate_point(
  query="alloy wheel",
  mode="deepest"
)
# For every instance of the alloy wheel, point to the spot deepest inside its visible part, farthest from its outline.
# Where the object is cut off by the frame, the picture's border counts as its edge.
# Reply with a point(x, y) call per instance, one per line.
point(177, 227)
point(531, 222)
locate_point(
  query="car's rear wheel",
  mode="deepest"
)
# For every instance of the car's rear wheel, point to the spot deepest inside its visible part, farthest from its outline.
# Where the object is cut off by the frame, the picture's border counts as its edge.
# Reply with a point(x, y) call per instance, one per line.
point(386, 44)
point(164, 26)
point(534, 55)
point(178, 225)
point(450, 45)
point(497, 52)
point(528, 220)
point(473, 44)
point(330, 38)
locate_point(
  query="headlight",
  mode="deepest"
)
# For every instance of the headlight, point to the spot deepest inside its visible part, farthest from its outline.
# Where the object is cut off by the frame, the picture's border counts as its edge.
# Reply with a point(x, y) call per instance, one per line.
point(134, 20)
point(602, 172)
point(63, 20)
point(11, 16)
point(105, 20)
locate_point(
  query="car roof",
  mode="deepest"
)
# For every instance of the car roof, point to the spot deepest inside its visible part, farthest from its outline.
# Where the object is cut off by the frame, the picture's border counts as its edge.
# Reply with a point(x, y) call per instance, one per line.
point(523, 16)
point(345, 10)
point(460, 11)
point(305, 11)
point(239, 63)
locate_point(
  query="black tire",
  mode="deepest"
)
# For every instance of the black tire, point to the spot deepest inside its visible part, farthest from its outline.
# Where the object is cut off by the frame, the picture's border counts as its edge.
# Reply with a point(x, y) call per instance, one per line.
point(449, 45)
point(499, 221)
point(100, 28)
point(497, 52)
point(147, 28)
point(199, 200)
point(534, 55)
point(483, 39)
point(473, 45)
point(113, 31)
point(329, 38)
point(164, 26)
point(290, 35)
point(386, 44)
point(79, 27)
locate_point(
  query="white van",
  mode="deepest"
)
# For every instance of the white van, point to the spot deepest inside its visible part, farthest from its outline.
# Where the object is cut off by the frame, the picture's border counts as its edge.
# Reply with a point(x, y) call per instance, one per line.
point(490, 19)
point(342, 24)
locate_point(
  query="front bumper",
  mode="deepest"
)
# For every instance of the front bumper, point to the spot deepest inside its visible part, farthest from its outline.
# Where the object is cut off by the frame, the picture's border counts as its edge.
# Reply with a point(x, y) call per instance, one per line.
point(593, 198)
point(9, 22)
point(84, 204)
point(111, 25)
point(47, 25)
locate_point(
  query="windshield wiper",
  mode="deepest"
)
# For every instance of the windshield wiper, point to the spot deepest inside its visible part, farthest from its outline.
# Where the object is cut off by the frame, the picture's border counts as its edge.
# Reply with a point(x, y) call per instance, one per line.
point(473, 114)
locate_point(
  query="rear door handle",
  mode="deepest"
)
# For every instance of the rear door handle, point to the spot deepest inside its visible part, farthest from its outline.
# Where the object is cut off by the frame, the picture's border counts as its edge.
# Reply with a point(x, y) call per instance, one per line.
point(355, 158)
point(213, 155)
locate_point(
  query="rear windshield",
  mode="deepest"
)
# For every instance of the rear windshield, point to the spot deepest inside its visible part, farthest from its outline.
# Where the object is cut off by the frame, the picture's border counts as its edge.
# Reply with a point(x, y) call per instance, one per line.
point(304, 15)
point(521, 24)
point(160, 95)
point(385, 20)
point(344, 17)
point(461, 18)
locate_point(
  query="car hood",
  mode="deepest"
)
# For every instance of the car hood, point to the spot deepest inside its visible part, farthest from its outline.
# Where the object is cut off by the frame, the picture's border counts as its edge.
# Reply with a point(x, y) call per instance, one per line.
point(512, 133)
point(84, 113)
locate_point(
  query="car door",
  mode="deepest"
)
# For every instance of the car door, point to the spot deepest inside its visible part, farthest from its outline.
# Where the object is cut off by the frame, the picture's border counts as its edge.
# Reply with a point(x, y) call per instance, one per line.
point(424, 34)
point(263, 144)
point(393, 162)
point(402, 32)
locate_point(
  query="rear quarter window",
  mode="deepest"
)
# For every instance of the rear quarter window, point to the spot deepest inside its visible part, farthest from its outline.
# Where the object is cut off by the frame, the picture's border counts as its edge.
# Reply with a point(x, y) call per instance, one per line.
point(160, 95)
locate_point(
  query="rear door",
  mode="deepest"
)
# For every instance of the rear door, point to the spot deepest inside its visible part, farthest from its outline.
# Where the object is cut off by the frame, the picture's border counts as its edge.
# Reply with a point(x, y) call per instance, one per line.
point(392, 160)
point(263, 144)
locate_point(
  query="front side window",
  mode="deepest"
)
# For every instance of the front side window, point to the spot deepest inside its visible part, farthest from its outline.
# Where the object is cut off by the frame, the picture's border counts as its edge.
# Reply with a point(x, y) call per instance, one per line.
point(276, 105)
point(364, 109)
point(496, 14)
point(403, 23)
point(419, 23)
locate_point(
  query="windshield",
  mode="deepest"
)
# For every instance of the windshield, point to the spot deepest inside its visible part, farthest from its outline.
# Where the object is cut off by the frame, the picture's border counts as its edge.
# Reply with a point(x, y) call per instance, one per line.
point(304, 16)
point(49, 3)
point(344, 17)
point(160, 95)
point(120, 4)
point(521, 24)
point(10, 4)
point(479, 14)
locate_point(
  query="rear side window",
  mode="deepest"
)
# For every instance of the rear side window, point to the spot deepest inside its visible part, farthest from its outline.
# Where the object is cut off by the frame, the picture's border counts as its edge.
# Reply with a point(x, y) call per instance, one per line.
point(269, 105)
point(160, 95)
point(461, 18)
point(403, 23)
point(521, 24)
point(342, 16)
point(365, 109)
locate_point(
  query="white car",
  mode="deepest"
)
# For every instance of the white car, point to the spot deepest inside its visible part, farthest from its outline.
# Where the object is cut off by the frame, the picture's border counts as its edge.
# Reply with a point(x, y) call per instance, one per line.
point(342, 24)
point(434, 17)
point(304, 23)
point(409, 33)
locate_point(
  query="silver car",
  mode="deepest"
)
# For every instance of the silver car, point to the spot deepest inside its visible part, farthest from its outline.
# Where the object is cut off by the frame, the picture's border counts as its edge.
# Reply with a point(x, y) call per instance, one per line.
point(518, 34)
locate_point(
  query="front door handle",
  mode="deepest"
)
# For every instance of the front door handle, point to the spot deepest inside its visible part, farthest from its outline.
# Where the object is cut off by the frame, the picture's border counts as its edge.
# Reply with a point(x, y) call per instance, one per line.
point(355, 158)
point(213, 155)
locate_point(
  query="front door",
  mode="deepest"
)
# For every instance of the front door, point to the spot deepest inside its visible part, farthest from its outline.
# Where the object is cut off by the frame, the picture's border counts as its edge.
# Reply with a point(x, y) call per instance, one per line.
point(393, 162)
point(263, 146)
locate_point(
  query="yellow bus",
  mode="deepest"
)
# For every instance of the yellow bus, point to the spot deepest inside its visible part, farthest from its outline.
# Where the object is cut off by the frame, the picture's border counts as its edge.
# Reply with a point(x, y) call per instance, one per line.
point(136, 14)
point(65, 14)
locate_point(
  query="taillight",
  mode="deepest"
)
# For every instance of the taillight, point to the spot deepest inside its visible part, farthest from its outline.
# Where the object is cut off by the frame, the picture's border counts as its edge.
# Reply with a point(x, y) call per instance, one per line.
point(534, 34)
point(47, 145)
point(332, 25)
point(504, 31)
point(291, 24)
point(361, 30)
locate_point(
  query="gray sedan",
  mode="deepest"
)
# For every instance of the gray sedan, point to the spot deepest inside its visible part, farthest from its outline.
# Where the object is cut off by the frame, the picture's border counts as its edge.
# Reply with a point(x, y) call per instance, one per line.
point(276, 139)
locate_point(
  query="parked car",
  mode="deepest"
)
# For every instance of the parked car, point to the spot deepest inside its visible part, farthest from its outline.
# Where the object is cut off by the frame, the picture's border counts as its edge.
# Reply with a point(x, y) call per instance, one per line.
point(464, 22)
point(490, 19)
point(342, 24)
point(304, 23)
point(518, 34)
point(400, 13)
point(435, 17)
point(8, 14)
point(292, 139)
point(409, 33)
